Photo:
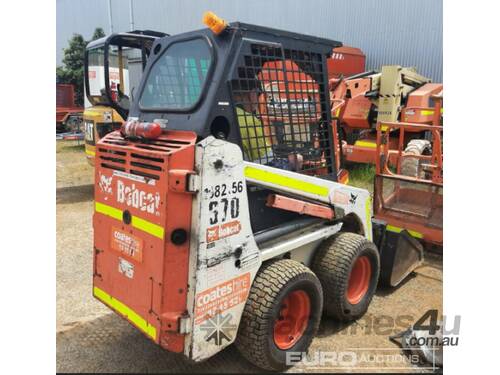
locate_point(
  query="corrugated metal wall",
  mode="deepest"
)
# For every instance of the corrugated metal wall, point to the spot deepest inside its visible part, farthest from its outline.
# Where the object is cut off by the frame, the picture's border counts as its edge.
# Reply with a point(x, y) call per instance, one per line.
point(401, 32)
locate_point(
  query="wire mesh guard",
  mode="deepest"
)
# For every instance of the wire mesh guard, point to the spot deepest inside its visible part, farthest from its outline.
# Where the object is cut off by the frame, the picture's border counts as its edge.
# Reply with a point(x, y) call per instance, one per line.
point(281, 103)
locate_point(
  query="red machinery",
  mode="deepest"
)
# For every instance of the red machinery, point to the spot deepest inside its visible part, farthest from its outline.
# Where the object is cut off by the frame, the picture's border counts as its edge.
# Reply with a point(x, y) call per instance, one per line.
point(408, 207)
point(67, 112)
point(346, 61)
point(394, 94)
point(300, 99)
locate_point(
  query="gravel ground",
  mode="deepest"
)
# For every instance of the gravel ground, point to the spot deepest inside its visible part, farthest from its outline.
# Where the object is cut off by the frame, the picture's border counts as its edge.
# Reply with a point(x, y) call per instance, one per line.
point(90, 339)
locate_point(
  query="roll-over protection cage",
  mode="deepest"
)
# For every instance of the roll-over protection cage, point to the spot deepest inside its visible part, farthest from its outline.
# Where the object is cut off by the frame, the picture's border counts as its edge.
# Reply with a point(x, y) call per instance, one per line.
point(264, 89)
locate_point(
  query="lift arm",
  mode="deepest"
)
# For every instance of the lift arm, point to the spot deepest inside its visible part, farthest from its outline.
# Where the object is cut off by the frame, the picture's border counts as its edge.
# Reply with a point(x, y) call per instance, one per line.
point(342, 198)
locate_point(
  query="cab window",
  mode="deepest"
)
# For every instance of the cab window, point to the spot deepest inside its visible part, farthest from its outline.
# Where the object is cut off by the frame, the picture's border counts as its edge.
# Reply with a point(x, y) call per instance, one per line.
point(177, 78)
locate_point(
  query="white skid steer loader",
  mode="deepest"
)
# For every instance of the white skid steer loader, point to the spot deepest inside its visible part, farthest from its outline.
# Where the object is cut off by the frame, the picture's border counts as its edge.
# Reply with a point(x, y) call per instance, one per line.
point(218, 218)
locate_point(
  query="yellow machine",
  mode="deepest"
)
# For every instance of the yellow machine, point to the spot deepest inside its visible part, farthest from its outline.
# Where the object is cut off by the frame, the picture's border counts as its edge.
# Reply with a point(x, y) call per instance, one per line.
point(113, 68)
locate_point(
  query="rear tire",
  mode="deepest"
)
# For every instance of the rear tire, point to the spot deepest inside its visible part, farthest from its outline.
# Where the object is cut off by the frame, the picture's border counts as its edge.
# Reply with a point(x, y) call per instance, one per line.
point(269, 328)
point(348, 266)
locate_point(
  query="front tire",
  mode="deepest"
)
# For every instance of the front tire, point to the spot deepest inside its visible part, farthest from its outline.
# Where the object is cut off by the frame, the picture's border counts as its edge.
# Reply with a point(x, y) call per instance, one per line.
point(282, 314)
point(348, 266)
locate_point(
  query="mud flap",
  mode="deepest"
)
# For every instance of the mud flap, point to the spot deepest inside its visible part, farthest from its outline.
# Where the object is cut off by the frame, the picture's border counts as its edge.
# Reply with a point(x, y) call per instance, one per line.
point(400, 254)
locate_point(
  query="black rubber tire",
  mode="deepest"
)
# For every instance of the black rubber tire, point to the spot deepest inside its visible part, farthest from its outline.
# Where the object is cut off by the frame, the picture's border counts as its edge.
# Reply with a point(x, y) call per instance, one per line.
point(275, 279)
point(409, 165)
point(333, 263)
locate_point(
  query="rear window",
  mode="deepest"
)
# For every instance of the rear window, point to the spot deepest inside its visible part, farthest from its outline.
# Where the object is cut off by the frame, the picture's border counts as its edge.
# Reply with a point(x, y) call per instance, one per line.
point(177, 78)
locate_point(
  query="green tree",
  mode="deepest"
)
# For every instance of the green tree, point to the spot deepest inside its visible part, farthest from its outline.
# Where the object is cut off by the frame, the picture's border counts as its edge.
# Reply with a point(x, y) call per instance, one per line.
point(98, 33)
point(72, 70)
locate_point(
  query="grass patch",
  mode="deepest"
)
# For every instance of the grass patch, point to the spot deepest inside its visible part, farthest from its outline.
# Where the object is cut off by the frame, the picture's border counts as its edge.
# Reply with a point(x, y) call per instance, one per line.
point(69, 146)
point(361, 176)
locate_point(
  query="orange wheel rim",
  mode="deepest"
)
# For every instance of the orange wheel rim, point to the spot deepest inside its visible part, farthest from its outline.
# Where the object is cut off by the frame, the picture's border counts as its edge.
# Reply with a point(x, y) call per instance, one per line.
point(359, 280)
point(292, 320)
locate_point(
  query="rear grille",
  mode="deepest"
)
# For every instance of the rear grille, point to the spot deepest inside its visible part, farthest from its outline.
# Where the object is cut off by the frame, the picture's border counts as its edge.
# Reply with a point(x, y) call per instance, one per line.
point(146, 158)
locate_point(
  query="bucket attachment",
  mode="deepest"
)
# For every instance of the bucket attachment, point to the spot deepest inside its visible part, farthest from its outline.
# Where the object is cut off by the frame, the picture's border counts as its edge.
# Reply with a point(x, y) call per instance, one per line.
point(400, 254)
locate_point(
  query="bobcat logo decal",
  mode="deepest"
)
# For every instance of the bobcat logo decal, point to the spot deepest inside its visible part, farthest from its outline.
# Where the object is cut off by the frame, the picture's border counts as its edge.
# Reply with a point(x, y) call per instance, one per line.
point(105, 184)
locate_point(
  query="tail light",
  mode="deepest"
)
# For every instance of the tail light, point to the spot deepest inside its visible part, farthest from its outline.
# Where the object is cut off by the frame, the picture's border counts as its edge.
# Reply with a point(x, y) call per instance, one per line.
point(136, 129)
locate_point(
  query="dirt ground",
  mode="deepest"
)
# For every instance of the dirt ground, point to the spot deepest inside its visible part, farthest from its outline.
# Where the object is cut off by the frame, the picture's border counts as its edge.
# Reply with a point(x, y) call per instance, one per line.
point(91, 339)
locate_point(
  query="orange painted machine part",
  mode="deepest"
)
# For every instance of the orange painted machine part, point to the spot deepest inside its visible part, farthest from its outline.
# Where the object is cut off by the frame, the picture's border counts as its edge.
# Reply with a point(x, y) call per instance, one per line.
point(298, 89)
point(408, 220)
point(345, 61)
point(411, 196)
point(365, 150)
point(355, 111)
point(273, 81)
point(136, 200)
point(300, 206)
point(65, 102)
point(419, 108)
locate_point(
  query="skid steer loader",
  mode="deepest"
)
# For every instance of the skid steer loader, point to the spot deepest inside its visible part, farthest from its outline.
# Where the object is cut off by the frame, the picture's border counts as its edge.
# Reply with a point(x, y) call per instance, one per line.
point(228, 224)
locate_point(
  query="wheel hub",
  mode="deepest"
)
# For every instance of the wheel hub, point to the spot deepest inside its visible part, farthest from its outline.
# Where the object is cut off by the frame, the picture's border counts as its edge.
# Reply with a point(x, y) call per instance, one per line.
point(292, 320)
point(359, 280)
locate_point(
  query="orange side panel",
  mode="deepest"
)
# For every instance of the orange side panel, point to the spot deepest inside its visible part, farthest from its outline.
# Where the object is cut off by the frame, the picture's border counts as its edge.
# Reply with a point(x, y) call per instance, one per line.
point(136, 261)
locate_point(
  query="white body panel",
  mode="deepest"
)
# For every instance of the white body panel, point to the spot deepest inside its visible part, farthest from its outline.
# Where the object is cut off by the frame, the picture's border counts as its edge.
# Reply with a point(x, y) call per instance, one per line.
point(224, 257)
point(221, 224)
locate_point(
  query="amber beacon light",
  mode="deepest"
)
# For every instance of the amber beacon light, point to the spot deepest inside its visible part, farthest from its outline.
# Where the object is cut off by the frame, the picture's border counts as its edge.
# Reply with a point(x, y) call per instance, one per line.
point(214, 23)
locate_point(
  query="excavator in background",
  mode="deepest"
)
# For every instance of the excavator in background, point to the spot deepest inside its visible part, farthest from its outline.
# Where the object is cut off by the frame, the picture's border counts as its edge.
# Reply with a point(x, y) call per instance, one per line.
point(113, 68)
point(394, 94)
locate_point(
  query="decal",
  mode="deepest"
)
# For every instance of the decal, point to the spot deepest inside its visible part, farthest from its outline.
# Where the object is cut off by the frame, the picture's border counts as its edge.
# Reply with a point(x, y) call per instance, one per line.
point(89, 131)
point(249, 261)
point(135, 177)
point(133, 196)
point(105, 183)
point(219, 328)
point(337, 56)
point(223, 190)
point(221, 298)
point(219, 232)
point(224, 209)
point(127, 244)
point(107, 116)
point(353, 198)
point(126, 268)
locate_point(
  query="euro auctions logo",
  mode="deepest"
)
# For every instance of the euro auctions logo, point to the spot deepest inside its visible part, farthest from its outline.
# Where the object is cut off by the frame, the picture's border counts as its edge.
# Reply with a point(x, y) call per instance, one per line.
point(353, 360)
point(322, 359)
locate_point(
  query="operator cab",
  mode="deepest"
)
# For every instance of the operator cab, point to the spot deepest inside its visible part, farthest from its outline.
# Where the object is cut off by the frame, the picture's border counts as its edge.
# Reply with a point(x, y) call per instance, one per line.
point(261, 88)
point(113, 69)
point(264, 89)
